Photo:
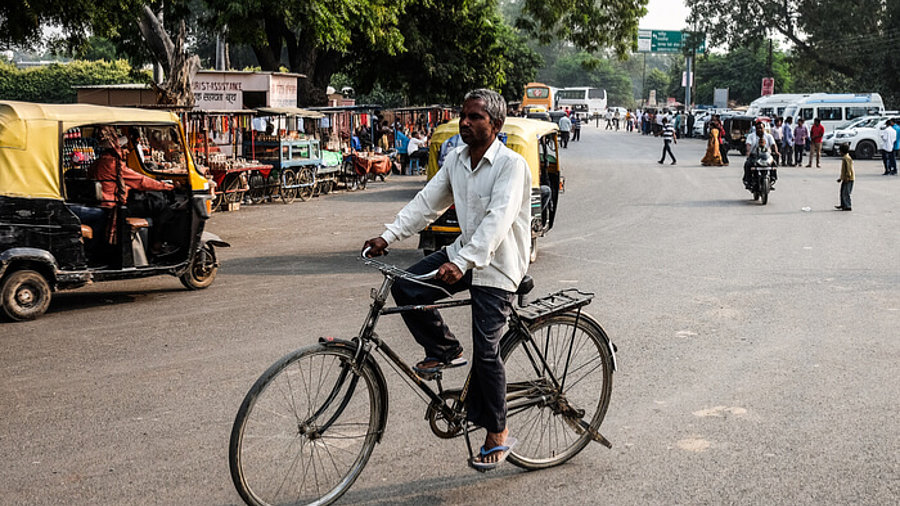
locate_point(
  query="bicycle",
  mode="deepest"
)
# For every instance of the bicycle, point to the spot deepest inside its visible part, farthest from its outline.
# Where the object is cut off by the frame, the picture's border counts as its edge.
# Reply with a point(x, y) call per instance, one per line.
point(309, 424)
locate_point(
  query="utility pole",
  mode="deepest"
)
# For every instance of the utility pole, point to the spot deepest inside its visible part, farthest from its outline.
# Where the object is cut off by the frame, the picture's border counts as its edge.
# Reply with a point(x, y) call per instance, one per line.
point(644, 81)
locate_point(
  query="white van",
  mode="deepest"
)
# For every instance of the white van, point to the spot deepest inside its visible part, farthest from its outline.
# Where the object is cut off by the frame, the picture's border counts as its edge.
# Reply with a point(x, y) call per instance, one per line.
point(773, 106)
point(834, 109)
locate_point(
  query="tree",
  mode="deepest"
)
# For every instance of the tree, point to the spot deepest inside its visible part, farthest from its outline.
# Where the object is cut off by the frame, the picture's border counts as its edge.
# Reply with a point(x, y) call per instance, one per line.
point(833, 41)
point(741, 71)
point(136, 25)
point(574, 70)
point(318, 36)
point(452, 47)
point(590, 25)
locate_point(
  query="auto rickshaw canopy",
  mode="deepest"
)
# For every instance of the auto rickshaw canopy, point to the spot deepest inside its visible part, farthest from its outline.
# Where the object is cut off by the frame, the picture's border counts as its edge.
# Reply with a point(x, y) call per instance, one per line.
point(522, 136)
point(31, 135)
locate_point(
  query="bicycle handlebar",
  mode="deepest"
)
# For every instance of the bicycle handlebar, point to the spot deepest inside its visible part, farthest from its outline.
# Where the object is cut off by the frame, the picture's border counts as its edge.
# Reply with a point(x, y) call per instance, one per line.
point(393, 269)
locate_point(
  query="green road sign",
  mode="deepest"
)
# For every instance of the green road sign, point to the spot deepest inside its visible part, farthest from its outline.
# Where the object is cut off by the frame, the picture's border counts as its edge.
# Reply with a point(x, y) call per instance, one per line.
point(665, 41)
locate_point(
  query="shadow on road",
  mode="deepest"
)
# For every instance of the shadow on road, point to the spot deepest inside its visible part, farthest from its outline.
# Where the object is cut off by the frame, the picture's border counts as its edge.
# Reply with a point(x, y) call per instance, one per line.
point(418, 492)
point(379, 195)
point(76, 300)
point(337, 262)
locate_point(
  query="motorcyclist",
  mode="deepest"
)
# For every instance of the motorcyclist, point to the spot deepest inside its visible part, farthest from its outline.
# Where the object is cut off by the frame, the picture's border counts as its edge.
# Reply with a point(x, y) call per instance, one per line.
point(754, 140)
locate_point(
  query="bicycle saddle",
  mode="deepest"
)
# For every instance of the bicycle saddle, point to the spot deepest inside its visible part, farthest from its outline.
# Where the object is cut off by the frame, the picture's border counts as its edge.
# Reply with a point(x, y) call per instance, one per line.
point(525, 286)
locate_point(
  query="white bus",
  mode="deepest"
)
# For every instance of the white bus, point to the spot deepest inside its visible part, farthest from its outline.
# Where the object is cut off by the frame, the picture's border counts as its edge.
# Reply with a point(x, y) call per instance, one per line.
point(583, 100)
point(773, 106)
point(834, 109)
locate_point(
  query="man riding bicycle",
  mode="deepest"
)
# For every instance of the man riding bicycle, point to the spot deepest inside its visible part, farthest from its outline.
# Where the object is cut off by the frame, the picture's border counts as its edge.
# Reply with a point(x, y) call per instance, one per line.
point(491, 187)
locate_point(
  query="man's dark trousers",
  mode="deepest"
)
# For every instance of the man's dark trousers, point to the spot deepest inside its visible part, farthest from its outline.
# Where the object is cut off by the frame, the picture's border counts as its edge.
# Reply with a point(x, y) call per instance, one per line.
point(486, 401)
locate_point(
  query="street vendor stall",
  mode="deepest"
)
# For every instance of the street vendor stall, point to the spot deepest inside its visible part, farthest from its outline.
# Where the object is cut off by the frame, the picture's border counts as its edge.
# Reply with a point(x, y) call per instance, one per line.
point(424, 118)
point(290, 144)
point(352, 132)
point(216, 140)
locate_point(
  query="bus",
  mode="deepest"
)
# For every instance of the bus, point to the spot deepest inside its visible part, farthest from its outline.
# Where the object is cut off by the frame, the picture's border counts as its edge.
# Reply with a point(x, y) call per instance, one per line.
point(773, 106)
point(539, 97)
point(834, 109)
point(585, 101)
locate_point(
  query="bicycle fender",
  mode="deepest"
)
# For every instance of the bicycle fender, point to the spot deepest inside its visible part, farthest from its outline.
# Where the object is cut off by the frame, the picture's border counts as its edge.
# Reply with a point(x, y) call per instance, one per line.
point(606, 340)
point(331, 342)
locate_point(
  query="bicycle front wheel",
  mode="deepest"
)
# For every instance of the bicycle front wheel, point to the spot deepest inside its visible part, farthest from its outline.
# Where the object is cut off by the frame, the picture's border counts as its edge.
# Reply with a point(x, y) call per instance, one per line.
point(552, 402)
point(305, 429)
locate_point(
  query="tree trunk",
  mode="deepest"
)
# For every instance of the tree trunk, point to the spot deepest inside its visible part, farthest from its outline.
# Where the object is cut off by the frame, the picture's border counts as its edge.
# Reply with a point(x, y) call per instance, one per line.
point(180, 67)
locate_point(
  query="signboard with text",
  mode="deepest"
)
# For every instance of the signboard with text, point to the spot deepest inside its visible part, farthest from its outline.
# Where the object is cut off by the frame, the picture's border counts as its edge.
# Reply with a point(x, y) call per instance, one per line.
point(768, 86)
point(667, 41)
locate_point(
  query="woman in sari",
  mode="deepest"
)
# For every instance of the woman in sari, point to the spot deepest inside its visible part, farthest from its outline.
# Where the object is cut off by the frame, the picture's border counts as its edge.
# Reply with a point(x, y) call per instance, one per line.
point(712, 157)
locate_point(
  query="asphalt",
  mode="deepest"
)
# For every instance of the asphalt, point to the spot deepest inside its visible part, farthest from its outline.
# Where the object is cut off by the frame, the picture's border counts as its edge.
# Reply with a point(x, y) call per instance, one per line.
point(758, 347)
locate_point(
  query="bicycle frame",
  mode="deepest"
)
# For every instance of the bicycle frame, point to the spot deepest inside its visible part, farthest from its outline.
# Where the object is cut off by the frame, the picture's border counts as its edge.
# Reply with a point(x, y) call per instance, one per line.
point(517, 394)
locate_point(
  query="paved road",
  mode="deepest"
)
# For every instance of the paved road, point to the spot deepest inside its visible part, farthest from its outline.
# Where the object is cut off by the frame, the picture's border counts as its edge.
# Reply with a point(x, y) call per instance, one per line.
point(758, 347)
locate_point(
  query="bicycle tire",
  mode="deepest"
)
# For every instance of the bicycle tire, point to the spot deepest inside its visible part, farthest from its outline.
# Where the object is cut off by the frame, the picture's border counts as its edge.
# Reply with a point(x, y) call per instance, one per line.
point(271, 445)
point(546, 437)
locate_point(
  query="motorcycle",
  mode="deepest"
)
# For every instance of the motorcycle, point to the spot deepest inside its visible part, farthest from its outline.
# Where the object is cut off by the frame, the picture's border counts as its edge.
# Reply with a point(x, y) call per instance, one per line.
point(762, 173)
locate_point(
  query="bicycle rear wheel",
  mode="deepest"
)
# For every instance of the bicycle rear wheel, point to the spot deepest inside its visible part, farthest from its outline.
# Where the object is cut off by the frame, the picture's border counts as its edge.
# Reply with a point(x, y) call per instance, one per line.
point(550, 420)
point(305, 429)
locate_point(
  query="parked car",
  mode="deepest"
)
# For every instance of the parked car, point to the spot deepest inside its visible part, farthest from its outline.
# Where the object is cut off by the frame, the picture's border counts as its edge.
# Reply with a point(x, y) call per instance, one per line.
point(829, 144)
point(863, 140)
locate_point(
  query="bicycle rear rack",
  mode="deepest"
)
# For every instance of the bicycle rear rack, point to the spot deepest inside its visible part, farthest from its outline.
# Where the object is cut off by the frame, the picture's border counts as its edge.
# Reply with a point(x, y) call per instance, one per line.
point(555, 303)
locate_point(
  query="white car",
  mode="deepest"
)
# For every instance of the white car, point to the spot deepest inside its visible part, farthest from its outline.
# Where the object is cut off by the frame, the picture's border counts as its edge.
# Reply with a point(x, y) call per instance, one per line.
point(864, 141)
point(830, 147)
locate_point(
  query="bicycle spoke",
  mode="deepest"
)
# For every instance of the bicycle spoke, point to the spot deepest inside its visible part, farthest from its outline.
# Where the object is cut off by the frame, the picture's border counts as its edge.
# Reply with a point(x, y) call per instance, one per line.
point(308, 434)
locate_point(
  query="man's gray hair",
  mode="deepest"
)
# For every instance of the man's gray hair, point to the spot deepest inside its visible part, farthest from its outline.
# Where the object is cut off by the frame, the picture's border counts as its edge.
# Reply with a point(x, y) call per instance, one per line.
point(494, 105)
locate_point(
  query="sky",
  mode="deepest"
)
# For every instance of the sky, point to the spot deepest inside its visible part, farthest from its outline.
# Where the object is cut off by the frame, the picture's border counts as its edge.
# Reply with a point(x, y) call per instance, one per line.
point(665, 15)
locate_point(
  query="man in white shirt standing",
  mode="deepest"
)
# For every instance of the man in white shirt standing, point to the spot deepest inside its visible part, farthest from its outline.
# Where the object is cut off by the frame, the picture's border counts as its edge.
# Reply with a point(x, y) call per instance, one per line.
point(888, 139)
point(491, 187)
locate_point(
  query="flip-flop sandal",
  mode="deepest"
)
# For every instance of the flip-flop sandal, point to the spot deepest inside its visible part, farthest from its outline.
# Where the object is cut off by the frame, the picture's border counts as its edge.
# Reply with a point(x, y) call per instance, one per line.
point(487, 466)
point(459, 361)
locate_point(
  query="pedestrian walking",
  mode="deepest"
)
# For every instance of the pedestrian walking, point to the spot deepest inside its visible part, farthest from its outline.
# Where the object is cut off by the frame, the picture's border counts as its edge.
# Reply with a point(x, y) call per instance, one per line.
point(629, 122)
point(778, 134)
point(565, 126)
point(888, 139)
point(846, 179)
point(690, 124)
point(609, 117)
point(669, 137)
point(816, 133)
point(616, 119)
point(896, 146)
point(801, 136)
point(787, 137)
point(576, 128)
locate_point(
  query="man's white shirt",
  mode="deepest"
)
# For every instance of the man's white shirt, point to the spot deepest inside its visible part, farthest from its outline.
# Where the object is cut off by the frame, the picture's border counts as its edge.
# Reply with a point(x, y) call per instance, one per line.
point(493, 206)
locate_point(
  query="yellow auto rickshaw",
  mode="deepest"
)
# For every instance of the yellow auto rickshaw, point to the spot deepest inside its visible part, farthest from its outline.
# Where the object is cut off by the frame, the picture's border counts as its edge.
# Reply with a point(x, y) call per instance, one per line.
point(538, 142)
point(62, 227)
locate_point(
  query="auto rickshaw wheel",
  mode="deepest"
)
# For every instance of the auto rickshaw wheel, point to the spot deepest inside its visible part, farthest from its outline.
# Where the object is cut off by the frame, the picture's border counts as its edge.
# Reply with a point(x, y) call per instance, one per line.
point(202, 271)
point(306, 178)
point(25, 295)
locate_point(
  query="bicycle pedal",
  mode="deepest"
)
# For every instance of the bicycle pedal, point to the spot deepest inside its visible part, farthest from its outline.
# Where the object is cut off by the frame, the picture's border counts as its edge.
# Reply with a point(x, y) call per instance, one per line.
point(430, 376)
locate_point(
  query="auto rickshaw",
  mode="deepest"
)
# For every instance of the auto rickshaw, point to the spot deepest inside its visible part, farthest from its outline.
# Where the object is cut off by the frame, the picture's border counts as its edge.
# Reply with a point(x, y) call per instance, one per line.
point(538, 142)
point(58, 227)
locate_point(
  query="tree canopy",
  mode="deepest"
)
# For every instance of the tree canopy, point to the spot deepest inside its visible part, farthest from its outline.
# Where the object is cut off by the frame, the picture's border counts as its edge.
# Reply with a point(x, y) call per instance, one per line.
point(844, 45)
point(432, 50)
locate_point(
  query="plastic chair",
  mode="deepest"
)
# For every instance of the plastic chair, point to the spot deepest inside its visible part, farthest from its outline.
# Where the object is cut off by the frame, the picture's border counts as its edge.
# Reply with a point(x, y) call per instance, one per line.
point(414, 167)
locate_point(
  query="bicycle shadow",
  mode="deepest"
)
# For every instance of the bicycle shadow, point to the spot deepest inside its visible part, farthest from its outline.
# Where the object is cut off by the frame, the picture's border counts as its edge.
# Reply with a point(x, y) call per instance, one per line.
point(419, 493)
